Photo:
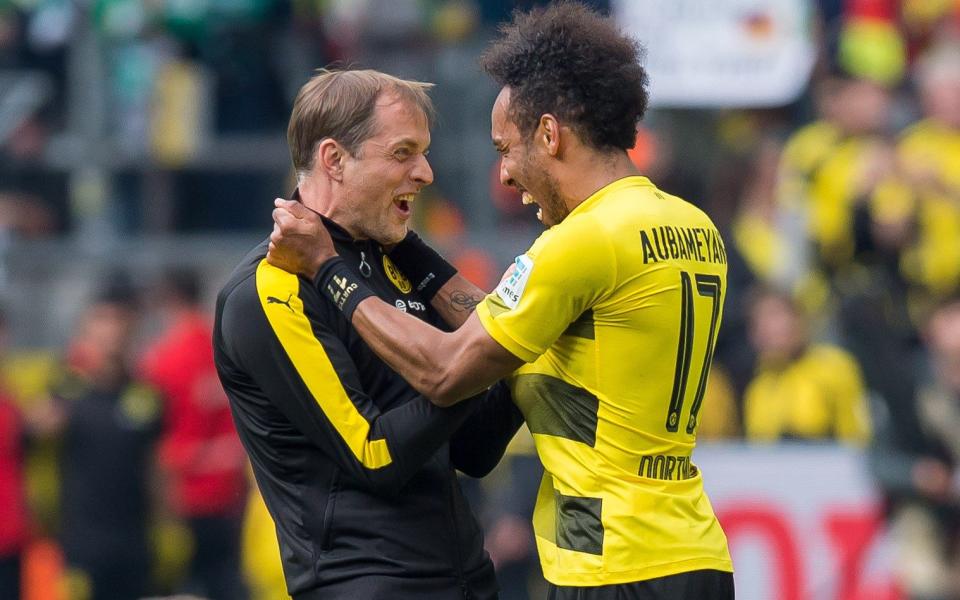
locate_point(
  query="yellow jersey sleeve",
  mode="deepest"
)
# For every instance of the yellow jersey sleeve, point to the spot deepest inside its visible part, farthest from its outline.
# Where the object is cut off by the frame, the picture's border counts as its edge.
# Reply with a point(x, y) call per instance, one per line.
point(565, 272)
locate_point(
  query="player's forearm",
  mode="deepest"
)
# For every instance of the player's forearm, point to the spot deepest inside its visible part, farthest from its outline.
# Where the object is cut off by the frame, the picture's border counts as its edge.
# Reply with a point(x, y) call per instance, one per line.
point(444, 367)
point(420, 353)
point(456, 300)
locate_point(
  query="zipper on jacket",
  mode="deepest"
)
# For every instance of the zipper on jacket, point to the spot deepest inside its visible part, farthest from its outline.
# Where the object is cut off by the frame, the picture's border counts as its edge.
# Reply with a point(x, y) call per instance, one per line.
point(328, 511)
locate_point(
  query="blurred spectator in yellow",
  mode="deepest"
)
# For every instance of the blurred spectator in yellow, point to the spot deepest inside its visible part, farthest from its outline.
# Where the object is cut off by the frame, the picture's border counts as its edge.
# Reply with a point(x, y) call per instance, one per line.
point(801, 390)
point(915, 458)
point(14, 518)
point(200, 452)
point(720, 414)
point(262, 568)
point(912, 259)
point(921, 202)
point(804, 211)
point(828, 172)
point(107, 423)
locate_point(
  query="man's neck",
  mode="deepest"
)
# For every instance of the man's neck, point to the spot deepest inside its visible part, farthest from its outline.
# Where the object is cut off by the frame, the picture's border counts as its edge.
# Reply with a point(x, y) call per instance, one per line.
point(585, 176)
point(324, 202)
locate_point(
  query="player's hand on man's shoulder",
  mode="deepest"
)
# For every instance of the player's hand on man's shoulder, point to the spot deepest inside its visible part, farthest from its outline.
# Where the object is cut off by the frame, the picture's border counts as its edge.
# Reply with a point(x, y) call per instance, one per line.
point(300, 242)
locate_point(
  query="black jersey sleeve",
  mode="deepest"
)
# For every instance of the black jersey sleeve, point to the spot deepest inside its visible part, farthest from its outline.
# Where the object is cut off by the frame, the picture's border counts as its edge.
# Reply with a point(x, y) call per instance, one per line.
point(286, 344)
point(479, 444)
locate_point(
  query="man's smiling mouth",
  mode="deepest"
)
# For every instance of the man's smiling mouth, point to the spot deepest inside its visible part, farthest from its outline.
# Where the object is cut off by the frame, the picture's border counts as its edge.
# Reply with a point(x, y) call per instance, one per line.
point(403, 202)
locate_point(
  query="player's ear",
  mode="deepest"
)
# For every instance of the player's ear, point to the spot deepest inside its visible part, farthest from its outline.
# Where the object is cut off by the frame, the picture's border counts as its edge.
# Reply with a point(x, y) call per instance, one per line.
point(329, 158)
point(548, 134)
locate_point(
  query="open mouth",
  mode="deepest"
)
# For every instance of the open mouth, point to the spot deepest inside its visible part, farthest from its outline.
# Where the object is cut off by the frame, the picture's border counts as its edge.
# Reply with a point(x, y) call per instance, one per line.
point(404, 203)
point(527, 198)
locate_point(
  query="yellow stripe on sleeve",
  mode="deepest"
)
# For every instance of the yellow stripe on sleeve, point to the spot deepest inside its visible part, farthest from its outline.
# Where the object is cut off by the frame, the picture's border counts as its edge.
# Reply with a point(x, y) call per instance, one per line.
point(279, 294)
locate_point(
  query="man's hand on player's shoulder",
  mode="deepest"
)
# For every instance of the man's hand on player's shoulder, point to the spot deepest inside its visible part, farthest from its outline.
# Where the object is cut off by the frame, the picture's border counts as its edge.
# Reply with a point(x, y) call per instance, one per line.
point(299, 243)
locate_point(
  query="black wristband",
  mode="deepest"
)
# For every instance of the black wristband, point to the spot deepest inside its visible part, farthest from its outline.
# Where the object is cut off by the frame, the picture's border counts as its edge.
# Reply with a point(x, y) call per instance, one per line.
point(341, 286)
point(422, 265)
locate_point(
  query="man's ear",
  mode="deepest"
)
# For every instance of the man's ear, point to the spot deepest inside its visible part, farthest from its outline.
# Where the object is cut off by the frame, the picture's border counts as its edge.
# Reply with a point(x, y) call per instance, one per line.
point(329, 158)
point(548, 134)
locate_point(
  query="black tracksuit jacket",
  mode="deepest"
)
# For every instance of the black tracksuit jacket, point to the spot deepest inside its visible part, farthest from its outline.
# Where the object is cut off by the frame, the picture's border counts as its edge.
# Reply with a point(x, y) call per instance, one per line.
point(356, 468)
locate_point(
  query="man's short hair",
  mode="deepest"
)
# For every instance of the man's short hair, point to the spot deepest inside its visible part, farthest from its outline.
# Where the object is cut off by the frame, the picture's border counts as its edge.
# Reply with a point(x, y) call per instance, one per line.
point(572, 62)
point(339, 104)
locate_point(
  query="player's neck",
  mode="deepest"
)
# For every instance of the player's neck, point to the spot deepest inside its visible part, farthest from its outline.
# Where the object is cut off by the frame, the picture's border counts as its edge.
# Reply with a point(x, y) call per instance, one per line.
point(592, 171)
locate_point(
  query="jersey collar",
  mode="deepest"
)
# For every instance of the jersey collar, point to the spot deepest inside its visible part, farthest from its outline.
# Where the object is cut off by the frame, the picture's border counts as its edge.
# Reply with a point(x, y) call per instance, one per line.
point(612, 187)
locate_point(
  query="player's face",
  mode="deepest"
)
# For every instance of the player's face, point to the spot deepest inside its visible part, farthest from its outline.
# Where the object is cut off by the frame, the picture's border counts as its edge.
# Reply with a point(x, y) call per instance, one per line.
point(522, 165)
point(390, 168)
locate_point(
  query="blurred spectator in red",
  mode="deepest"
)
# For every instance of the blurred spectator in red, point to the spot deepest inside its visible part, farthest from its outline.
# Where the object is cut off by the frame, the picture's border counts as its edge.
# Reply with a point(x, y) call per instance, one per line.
point(915, 460)
point(14, 519)
point(199, 451)
point(107, 423)
point(801, 390)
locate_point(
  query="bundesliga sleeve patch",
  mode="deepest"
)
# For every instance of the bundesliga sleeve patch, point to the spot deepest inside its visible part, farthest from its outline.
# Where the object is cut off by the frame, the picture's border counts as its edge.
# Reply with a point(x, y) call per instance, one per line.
point(511, 289)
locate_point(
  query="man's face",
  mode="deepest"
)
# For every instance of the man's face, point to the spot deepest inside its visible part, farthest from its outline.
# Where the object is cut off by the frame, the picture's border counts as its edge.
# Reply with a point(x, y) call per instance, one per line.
point(862, 107)
point(389, 169)
point(943, 340)
point(776, 329)
point(941, 99)
point(522, 164)
point(104, 336)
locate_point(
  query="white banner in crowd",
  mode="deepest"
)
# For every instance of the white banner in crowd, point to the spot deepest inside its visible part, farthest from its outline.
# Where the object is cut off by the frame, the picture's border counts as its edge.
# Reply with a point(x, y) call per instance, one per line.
point(803, 521)
point(722, 53)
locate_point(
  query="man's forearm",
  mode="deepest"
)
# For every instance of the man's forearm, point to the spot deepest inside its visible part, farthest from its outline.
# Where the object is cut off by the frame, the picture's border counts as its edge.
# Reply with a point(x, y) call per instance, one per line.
point(444, 367)
point(456, 300)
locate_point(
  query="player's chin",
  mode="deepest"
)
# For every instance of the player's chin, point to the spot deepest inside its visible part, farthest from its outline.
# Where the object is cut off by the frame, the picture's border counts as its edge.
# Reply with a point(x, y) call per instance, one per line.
point(395, 233)
point(546, 218)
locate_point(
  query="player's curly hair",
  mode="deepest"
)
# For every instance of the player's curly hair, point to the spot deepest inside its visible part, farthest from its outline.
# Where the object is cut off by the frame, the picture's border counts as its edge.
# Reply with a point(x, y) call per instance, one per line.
point(567, 60)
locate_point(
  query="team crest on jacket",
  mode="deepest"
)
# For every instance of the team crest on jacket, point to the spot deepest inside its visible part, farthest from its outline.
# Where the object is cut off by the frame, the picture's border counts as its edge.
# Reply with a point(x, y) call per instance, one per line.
point(395, 276)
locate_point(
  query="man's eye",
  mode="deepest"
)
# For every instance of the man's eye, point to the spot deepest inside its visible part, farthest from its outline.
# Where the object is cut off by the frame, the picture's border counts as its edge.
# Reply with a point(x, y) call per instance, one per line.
point(402, 154)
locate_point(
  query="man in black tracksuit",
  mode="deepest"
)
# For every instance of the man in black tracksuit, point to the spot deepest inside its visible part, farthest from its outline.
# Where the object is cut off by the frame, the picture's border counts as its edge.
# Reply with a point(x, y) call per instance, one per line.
point(356, 468)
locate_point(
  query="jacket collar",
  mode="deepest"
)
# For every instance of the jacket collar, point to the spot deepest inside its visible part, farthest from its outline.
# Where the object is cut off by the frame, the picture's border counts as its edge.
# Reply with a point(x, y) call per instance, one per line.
point(338, 233)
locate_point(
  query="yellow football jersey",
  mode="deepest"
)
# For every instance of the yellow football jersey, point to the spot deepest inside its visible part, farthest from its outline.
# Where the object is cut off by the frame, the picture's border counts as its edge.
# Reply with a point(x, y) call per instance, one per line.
point(819, 395)
point(616, 311)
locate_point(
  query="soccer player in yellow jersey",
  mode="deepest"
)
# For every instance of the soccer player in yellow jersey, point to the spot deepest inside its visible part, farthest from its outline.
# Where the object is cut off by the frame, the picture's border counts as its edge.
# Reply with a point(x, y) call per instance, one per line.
point(605, 326)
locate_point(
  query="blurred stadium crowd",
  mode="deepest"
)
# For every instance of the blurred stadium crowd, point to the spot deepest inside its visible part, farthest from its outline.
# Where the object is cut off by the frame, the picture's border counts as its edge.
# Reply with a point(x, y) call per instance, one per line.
point(148, 124)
